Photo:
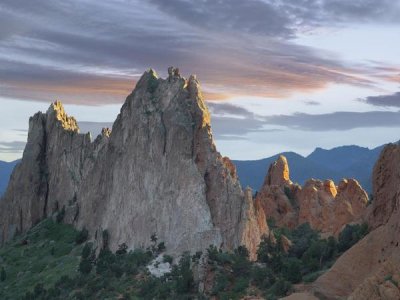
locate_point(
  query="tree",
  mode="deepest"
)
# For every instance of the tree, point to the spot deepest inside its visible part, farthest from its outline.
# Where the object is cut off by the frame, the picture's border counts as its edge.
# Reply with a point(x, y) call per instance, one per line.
point(85, 266)
point(87, 259)
point(3, 274)
point(350, 235)
point(106, 238)
point(185, 280)
point(292, 270)
point(82, 236)
point(122, 249)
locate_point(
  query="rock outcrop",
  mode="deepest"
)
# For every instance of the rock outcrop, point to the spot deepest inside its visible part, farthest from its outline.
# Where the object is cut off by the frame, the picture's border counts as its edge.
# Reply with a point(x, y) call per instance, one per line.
point(157, 171)
point(326, 207)
point(370, 269)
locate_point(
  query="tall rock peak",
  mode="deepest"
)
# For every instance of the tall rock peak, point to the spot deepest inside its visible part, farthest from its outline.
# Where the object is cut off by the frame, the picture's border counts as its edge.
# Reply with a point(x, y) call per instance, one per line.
point(56, 111)
point(157, 172)
point(278, 172)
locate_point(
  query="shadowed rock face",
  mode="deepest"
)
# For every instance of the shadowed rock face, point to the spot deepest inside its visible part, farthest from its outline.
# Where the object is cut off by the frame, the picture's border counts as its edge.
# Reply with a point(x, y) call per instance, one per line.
point(157, 171)
point(324, 206)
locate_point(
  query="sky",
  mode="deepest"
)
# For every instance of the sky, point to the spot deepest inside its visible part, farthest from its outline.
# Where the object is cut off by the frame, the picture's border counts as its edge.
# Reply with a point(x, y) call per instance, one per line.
point(277, 75)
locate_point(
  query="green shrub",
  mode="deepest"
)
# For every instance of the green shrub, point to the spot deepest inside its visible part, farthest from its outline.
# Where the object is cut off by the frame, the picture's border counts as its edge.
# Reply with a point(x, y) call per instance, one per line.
point(221, 283)
point(168, 259)
point(241, 284)
point(106, 238)
point(122, 249)
point(350, 235)
point(281, 288)
point(85, 266)
point(82, 236)
point(292, 270)
point(311, 277)
point(262, 277)
point(185, 280)
point(3, 274)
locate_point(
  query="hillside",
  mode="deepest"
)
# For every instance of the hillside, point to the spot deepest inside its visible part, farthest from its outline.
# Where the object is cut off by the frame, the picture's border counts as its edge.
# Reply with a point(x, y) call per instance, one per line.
point(55, 261)
point(337, 163)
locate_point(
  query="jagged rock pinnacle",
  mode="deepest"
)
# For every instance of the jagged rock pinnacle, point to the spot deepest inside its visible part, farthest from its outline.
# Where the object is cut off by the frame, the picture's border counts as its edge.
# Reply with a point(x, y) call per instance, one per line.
point(278, 172)
point(56, 109)
point(157, 172)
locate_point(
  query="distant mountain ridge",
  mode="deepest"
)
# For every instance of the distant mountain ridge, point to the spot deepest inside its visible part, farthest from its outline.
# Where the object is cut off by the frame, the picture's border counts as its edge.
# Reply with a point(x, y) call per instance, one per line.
point(336, 163)
point(6, 169)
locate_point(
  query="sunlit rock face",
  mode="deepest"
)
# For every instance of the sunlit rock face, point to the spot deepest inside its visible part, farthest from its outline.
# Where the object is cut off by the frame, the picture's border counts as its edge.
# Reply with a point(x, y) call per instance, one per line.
point(363, 271)
point(157, 171)
point(326, 207)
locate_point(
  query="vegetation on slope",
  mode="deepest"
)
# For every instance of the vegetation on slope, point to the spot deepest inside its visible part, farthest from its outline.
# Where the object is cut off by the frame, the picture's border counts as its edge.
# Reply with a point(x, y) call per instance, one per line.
point(54, 261)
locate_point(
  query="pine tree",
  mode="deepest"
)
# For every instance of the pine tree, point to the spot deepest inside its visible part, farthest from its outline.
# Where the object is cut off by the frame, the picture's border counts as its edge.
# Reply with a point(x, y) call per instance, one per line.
point(3, 275)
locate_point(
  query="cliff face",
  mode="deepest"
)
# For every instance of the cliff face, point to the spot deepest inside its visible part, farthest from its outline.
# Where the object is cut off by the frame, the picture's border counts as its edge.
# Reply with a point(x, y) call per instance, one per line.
point(375, 260)
point(326, 207)
point(157, 171)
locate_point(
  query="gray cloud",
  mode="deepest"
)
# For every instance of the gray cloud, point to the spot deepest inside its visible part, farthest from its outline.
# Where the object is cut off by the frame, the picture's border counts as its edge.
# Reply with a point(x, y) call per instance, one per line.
point(311, 102)
point(12, 147)
point(229, 109)
point(91, 52)
point(232, 15)
point(282, 18)
point(384, 100)
point(336, 121)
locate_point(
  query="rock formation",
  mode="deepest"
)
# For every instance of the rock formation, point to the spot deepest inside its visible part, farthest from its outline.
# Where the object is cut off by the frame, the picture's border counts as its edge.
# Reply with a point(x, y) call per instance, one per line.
point(371, 268)
point(157, 171)
point(324, 206)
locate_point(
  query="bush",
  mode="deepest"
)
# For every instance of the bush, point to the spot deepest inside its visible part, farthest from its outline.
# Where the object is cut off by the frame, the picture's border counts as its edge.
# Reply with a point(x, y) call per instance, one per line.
point(240, 285)
point(85, 266)
point(281, 287)
point(3, 274)
point(86, 251)
point(350, 235)
point(262, 277)
point(82, 236)
point(168, 259)
point(241, 266)
point(105, 259)
point(221, 283)
point(122, 249)
point(106, 238)
point(185, 280)
point(292, 270)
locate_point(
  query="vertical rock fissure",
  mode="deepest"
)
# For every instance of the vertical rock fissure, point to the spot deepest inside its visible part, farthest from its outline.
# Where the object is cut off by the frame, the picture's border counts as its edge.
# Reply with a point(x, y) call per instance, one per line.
point(44, 171)
point(165, 132)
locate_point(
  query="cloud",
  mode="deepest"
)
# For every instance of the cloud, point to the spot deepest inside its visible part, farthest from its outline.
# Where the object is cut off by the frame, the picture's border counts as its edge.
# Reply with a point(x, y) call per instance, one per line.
point(91, 52)
point(230, 15)
point(284, 18)
point(246, 122)
point(12, 147)
point(229, 109)
point(384, 100)
point(336, 120)
point(311, 102)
